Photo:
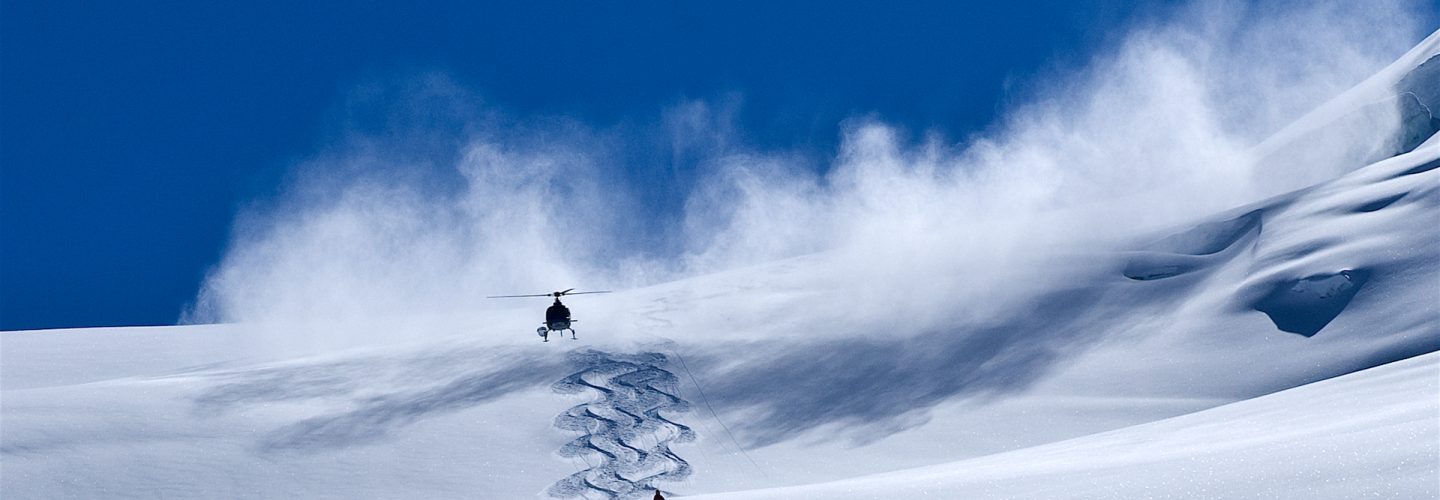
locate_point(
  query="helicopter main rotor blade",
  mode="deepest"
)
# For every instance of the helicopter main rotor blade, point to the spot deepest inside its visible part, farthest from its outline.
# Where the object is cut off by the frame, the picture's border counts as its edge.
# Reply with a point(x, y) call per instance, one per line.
point(551, 294)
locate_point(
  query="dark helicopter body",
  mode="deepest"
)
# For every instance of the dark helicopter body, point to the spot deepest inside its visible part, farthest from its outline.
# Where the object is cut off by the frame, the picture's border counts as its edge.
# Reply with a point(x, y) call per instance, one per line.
point(557, 316)
point(557, 319)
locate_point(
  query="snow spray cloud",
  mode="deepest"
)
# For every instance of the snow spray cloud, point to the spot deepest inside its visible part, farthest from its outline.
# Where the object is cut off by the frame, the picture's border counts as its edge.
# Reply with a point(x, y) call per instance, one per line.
point(1156, 130)
point(423, 218)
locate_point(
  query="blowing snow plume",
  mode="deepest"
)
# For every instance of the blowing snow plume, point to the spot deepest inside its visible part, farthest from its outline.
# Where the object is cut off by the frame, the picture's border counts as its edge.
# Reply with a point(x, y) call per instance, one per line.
point(426, 219)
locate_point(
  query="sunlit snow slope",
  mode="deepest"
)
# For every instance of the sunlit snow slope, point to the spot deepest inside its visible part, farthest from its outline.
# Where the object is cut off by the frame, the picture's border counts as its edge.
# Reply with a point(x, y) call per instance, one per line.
point(1198, 362)
point(1313, 441)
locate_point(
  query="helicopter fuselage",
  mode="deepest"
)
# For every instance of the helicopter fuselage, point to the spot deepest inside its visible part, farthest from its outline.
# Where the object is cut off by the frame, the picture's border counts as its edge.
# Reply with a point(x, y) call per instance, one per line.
point(557, 316)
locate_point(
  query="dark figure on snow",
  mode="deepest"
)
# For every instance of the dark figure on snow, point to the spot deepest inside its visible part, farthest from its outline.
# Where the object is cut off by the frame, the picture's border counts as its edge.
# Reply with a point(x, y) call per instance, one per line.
point(658, 496)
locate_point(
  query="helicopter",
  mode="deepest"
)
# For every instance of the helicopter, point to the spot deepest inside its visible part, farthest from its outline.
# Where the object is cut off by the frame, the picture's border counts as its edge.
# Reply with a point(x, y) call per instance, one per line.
point(557, 316)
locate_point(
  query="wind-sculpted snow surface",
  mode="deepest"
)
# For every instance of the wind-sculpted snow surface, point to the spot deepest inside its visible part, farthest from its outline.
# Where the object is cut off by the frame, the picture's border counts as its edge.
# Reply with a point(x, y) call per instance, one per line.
point(622, 437)
point(1193, 249)
point(1304, 306)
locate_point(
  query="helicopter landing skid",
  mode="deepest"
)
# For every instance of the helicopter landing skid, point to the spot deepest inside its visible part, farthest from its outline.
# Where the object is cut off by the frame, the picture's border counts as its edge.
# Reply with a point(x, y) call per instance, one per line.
point(545, 333)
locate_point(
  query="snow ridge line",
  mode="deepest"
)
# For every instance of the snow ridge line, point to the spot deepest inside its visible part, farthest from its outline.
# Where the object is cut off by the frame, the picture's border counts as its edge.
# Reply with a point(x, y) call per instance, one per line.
point(623, 426)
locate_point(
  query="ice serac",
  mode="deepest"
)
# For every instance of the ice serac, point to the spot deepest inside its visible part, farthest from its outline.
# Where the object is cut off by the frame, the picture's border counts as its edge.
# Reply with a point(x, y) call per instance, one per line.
point(1419, 95)
point(1391, 113)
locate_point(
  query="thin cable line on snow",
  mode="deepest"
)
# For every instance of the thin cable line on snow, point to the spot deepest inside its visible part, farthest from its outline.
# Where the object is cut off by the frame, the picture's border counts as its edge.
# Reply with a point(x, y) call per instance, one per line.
point(706, 400)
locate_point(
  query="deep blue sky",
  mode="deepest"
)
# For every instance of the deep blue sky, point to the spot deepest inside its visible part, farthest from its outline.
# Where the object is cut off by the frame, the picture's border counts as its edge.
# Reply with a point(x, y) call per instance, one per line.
point(132, 132)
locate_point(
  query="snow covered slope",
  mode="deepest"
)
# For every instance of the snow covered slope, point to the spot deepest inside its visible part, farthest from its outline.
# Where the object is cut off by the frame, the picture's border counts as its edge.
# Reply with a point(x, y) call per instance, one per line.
point(1367, 434)
point(777, 375)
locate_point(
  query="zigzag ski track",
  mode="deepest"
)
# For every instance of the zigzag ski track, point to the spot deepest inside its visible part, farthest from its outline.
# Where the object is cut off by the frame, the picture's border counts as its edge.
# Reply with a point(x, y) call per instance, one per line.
point(622, 437)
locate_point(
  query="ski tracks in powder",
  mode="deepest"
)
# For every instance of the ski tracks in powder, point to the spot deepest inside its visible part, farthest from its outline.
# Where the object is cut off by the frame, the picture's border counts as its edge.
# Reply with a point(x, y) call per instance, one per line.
point(622, 437)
